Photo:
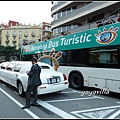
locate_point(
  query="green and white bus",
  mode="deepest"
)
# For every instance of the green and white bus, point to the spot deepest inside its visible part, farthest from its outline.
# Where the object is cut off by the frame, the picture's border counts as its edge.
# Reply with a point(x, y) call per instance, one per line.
point(89, 58)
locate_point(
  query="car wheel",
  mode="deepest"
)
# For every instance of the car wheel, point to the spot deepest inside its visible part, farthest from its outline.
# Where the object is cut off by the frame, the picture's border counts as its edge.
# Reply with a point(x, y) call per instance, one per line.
point(76, 81)
point(20, 90)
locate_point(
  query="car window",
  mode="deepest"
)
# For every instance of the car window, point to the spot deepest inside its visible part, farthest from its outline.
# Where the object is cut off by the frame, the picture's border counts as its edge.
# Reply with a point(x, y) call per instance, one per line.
point(45, 67)
point(4, 65)
point(10, 66)
point(17, 68)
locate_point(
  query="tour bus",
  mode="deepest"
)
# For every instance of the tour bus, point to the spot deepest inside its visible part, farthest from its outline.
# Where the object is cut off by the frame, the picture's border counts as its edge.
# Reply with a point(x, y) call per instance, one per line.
point(89, 58)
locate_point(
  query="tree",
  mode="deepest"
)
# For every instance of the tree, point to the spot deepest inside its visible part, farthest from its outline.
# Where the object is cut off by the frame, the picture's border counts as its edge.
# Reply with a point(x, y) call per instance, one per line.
point(49, 35)
point(9, 51)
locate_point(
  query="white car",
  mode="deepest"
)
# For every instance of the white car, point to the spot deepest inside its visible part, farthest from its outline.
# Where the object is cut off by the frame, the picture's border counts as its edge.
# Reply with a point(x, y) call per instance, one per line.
point(14, 73)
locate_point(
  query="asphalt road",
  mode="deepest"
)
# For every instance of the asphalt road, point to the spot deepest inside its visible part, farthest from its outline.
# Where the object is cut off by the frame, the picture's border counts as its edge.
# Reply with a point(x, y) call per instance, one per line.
point(88, 103)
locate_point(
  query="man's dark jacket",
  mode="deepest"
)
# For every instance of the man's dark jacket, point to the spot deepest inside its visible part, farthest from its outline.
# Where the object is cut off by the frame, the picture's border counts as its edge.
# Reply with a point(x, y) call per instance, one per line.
point(34, 75)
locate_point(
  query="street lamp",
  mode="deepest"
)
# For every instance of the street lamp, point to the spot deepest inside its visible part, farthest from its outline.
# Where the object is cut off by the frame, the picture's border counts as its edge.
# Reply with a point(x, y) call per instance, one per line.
point(20, 43)
point(41, 25)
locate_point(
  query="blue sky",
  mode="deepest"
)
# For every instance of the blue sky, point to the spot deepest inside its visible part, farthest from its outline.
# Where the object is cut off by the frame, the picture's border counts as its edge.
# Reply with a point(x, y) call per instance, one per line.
point(25, 12)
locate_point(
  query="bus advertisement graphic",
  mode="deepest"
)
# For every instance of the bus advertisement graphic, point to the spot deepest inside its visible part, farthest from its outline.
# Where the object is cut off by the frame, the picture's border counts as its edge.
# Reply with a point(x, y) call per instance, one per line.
point(106, 37)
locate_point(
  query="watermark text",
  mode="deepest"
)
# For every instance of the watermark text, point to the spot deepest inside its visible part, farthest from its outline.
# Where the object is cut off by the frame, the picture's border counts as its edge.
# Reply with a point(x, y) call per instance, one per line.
point(89, 93)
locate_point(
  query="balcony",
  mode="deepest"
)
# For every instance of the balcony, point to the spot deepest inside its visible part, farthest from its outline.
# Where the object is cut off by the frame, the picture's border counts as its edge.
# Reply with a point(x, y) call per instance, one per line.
point(26, 35)
point(32, 42)
point(7, 35)
point(33, 34)
point(14, 41)
point(47, 30)
point(14, 34)
point(92, 25)
point(87, 26)
point(58, 5)
point(7, 41)
point(88, 9)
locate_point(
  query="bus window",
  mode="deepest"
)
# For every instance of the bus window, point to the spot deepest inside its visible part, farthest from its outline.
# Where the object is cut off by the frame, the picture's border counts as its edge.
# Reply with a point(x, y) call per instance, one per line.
point(79, 57)
point(104, 55)
point(62, 59)
point(73, 56)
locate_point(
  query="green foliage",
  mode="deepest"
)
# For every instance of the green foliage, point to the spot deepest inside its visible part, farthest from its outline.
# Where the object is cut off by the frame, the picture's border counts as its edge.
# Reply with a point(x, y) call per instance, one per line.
point(8, 50)
point(49, 34)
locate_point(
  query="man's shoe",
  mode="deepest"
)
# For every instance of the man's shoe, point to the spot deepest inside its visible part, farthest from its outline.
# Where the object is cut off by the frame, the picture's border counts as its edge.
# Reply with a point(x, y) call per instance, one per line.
point(34, 104)
point(25, 107)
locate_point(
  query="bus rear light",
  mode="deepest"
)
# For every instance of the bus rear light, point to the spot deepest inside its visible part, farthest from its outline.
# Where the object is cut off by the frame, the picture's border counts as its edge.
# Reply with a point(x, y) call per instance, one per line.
point(85, 81)
point(65, 82)
point(65, 78)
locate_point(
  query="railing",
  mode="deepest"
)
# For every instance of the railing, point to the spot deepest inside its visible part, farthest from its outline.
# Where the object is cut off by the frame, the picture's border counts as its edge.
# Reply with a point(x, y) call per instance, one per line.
point(78, 11)
point(56, 6)
point(87, 26)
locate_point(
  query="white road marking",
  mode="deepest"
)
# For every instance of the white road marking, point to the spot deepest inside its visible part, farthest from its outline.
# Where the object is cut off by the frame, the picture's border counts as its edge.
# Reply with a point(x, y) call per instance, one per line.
point(114, 115)
point(93, 97)
point(77, 113)
point(95, 114)
point(98, 114)
point(19, 104)
point(78, 91)
point(56, 110)
point(73, 91)
point(98, 97)
point(80, 111)
point(81, 116)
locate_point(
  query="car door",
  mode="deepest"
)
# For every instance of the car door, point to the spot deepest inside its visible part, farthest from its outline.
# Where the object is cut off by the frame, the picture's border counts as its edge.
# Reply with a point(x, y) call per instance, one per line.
point(15, 73)
point(9, 74)
point(3, 72)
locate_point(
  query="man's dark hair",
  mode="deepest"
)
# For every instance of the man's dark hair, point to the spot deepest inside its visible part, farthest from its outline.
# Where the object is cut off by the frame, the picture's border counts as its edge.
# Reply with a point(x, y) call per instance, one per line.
point(34, 59)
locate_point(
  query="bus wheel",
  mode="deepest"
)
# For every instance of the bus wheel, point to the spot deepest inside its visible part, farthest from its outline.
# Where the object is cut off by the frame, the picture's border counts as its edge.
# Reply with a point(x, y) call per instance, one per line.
point(76, 81)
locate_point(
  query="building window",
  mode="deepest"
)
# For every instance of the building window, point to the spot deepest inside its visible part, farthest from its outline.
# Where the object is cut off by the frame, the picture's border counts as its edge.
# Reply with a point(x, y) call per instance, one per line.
point(59, 30)
point(20, 34)
point(75, 25)
point(73, 8)
point(54, 17)
point(63, 13)
point(63, 29)
point(69, 27)
point(68, 10)
point(25, 34)
point(59, 14)
point(14, 34)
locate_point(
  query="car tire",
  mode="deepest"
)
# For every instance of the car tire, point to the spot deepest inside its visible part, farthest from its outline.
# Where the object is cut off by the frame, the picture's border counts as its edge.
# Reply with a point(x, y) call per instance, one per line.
point(76, 81)
point(21, 90)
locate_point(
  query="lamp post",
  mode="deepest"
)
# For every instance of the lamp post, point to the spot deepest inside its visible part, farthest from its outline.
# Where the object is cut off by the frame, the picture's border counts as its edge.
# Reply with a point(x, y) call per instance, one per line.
point(20, 42)
point(41, 25)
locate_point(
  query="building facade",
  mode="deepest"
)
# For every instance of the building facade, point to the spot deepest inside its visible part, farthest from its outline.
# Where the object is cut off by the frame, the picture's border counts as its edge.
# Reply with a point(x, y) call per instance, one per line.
point(78, 16)
point(46, 31)
point(20, 35)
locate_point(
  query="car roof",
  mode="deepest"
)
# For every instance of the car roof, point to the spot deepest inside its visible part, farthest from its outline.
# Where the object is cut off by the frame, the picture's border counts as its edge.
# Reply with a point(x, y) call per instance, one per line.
point(40, 63)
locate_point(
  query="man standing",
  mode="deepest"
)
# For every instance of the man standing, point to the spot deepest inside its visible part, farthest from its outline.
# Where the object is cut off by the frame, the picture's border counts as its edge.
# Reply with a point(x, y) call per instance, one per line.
point(33, 82)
